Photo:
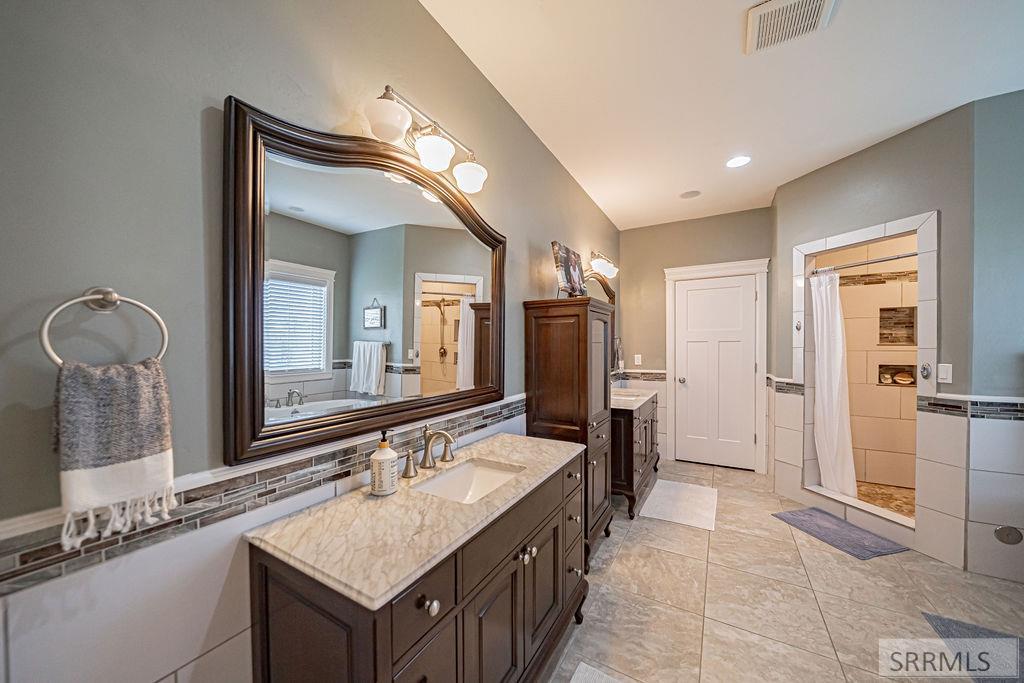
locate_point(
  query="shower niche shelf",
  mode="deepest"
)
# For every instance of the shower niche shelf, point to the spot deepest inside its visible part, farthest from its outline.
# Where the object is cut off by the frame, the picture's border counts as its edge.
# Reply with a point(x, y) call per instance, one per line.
point(896, 376)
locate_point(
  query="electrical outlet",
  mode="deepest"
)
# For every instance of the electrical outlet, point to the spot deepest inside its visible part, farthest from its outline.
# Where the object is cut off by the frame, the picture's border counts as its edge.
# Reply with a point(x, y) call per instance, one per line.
point(638, 360)
point(945, 374)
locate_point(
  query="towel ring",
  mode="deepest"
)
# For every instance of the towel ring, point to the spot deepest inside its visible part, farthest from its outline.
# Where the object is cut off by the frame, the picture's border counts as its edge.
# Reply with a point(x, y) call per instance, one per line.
point(102, 300)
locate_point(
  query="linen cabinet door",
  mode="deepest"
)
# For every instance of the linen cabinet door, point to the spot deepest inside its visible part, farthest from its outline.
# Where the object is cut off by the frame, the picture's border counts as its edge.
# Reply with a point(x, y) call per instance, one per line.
point(542, 582)
point(493, 628)
point(599, 484)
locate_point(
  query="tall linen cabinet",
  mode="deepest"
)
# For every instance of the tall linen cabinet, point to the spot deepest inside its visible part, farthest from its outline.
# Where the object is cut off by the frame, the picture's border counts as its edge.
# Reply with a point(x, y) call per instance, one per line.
point(568, 394)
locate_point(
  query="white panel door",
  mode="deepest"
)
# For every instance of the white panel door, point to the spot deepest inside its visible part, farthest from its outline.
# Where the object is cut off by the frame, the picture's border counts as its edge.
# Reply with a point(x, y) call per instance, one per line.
point(714, 366)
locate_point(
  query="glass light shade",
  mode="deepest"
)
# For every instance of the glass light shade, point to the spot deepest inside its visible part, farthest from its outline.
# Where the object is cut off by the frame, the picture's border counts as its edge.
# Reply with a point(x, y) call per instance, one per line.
point(603, 265)
point(389, 120)
point(435, 152)
point(470, 176)
point(430, 196)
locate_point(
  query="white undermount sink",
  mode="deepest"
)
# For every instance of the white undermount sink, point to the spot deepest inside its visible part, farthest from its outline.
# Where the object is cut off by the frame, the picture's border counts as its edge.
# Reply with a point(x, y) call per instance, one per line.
point(469, 481)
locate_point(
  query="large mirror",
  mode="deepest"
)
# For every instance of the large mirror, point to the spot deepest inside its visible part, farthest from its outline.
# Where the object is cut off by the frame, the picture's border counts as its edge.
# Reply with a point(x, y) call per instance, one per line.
point(364, 291)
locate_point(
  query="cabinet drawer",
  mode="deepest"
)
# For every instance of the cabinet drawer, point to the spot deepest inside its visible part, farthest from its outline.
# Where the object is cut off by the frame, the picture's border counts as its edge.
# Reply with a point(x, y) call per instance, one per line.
point(437, 662)
point(573, 567)
point(572, 476)
point(574, 515)
point(600, 436)
point(495, 543)
point(410, 611)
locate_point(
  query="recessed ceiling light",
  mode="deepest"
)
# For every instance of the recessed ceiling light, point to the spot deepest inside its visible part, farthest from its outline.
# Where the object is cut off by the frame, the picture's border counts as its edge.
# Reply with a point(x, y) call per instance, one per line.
point(737, 161)
point(690, 194)
point(296, 209)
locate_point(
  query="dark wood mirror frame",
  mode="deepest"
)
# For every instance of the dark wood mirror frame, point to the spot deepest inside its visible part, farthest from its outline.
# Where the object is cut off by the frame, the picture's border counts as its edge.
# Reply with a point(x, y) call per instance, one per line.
point(248, 134)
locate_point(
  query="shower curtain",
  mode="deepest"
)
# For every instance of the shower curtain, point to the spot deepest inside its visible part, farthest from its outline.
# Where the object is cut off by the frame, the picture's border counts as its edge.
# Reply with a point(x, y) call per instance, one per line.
point(464, 370)
point(832, 436)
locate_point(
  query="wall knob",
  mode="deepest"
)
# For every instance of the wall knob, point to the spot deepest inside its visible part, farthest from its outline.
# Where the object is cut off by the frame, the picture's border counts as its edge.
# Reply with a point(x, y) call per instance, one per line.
point(682, 380)
point(926, 370)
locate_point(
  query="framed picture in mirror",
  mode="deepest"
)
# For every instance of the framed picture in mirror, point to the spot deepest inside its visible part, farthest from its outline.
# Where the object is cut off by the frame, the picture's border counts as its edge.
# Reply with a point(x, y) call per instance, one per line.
point(374, 317)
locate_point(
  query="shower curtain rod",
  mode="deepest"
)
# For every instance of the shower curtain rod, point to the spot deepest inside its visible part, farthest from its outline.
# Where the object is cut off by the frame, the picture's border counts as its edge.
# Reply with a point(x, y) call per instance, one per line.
point(881, 259)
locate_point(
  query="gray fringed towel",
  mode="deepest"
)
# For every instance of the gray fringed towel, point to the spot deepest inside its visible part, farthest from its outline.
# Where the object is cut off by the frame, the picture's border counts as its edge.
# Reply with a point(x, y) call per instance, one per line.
point(112, 431)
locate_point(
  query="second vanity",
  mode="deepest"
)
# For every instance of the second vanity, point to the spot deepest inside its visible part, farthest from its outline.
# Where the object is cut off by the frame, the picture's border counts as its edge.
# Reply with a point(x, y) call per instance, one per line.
point(420, 586)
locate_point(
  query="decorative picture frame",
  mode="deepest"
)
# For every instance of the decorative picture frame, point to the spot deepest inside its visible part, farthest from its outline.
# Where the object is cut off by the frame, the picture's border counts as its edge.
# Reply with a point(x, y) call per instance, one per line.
point(569, 270)
point(374, 316)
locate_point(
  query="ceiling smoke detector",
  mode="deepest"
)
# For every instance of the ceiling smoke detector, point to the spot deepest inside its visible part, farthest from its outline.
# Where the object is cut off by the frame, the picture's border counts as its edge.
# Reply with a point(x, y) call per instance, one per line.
point(779, 21)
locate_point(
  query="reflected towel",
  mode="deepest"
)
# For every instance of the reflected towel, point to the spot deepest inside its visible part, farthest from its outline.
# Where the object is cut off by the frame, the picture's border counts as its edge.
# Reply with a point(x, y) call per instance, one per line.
point(368, 362)
point(112, 431)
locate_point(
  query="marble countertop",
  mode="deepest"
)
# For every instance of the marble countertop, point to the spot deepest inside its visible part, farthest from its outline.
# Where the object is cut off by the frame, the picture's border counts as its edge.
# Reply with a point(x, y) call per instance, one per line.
point(371, 548)
point(631, 399)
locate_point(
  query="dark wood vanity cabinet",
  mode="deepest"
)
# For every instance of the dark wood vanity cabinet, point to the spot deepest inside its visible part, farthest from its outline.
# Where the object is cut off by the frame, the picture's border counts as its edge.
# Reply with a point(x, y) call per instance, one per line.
point(503, 600)
point(568, 393)
point(634, 452)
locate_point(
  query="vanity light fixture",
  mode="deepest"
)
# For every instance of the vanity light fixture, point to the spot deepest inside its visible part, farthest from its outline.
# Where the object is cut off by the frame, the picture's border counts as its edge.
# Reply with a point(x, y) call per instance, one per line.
point(435, 151)
point(470, 175)
point(603, 265)
point(738, 160)
point(393, 119)
point(389, 120)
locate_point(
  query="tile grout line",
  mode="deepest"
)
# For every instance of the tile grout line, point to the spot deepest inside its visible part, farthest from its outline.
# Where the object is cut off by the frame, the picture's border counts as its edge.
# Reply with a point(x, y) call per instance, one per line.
point(817, 602)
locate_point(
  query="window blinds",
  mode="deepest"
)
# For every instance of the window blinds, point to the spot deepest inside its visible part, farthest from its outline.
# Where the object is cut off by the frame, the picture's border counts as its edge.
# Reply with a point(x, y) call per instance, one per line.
point(294, 325)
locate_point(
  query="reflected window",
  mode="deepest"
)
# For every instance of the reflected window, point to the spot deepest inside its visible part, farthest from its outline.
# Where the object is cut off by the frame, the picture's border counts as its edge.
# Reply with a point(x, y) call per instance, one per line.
point(297, 311)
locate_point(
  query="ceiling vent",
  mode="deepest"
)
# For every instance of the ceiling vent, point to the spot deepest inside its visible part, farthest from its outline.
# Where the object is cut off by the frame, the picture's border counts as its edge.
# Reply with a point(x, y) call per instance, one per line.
point(779, 21)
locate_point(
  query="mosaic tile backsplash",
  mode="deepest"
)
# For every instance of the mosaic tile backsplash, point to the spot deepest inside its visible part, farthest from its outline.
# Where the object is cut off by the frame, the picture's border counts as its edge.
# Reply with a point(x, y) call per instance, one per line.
point(35, 557)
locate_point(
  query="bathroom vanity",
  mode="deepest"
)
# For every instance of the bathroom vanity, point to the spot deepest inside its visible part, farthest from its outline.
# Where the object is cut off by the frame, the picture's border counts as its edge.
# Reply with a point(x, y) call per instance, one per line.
point(470, 572)
point(635, 452)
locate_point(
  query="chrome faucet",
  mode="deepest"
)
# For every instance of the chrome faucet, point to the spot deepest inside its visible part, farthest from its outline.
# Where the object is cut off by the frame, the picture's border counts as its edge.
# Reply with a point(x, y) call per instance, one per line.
point(428, 462)
point(294, 392)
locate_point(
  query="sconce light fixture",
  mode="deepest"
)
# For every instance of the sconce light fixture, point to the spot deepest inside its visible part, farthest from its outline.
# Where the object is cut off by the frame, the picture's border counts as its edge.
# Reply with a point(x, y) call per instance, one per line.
point(392, 119)
point(603, 265)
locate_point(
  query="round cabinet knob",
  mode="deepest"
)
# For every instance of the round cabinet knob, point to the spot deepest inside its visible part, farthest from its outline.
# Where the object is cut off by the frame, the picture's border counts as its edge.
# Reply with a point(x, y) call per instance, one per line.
point(432, 607)
point(575, 518)
point(593, 463)
point(526, 557)
point(577, 572)
point(573, 475)
point(591, 424)
point(533, 551)
point(682, 380)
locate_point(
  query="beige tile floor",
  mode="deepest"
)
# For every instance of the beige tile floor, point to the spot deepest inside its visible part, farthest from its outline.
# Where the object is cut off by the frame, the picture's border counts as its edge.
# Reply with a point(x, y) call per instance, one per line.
point(756, 600)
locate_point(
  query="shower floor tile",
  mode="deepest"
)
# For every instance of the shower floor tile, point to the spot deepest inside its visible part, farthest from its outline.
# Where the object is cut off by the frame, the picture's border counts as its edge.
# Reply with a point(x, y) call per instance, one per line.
point(899, 500)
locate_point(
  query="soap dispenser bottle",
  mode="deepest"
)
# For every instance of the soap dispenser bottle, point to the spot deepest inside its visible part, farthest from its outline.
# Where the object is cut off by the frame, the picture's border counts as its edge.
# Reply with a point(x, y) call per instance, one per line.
point(383, 468)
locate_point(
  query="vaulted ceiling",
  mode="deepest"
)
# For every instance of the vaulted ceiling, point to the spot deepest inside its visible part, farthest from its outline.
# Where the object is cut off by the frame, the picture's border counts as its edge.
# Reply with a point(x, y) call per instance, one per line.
point(644, 100)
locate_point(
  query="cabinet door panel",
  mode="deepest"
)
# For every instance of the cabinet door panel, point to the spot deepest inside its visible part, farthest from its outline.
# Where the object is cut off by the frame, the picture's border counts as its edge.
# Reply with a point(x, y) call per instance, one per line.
point(598, 482)
point(494, 628)
point(599, 371)
point(543, 583)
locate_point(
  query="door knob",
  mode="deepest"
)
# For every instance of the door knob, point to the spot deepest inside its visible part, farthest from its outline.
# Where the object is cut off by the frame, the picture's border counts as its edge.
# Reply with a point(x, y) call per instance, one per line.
point(682, 380)
point(926, 371)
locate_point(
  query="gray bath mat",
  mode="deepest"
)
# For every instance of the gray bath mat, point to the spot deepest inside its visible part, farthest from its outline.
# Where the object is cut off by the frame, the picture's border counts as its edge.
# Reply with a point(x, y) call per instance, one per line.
point(952, 630)
point(839, 533)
